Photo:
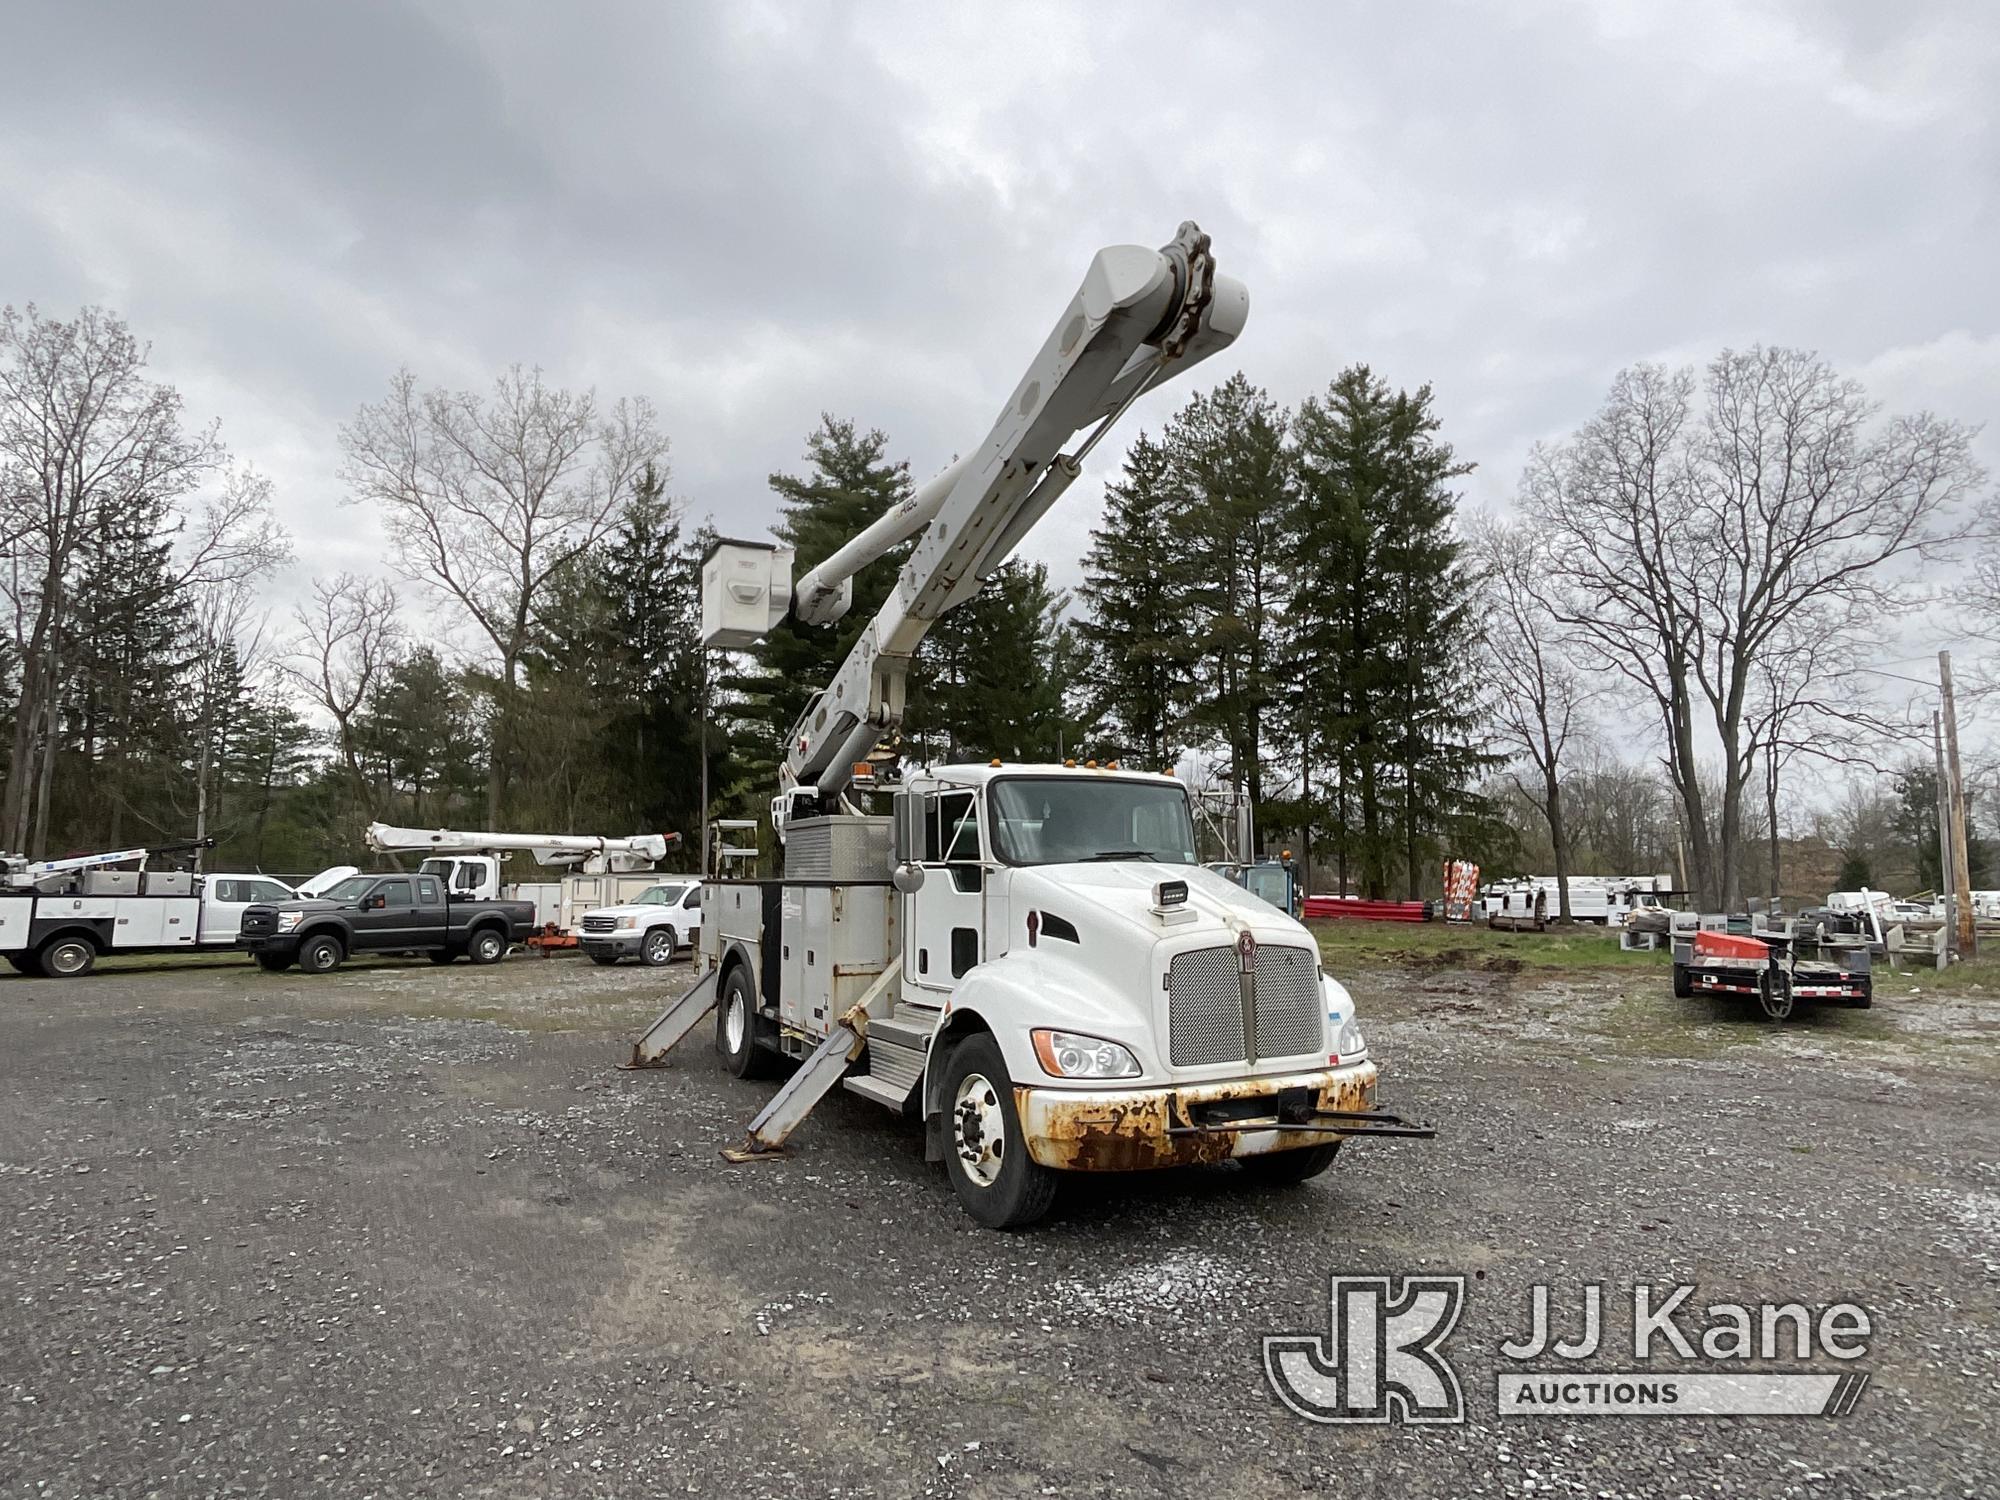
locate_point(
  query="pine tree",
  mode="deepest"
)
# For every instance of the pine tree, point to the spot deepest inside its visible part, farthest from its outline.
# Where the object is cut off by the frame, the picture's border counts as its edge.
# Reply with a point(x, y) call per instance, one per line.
point(988, 678)
point(850, 484)
point(1139, 648)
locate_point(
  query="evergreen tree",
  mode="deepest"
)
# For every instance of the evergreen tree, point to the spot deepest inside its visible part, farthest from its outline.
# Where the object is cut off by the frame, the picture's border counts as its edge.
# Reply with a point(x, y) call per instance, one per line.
point(1233, 483)
point(988, 678)
point(849, 485)
point(1139, 644)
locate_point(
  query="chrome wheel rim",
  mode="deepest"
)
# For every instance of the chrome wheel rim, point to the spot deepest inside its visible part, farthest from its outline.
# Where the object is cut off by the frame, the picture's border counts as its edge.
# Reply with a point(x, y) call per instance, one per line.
point(735, 1022)
point(979, 1130)
point(67, 958)
point(489, 946)
point(657, 945)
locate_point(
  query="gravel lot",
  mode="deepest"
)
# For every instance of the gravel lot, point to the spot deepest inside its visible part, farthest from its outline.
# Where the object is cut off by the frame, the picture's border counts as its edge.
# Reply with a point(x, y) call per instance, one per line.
point(407, 1231)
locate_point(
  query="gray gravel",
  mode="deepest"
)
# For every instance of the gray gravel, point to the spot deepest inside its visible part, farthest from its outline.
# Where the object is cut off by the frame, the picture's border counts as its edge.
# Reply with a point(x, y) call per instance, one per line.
point(406, 1231)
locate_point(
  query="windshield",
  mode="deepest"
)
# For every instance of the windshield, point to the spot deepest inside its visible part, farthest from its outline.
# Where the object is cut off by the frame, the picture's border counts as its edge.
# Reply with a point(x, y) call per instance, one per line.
point(1057, 820)
point(661, 895)
point(349, 889)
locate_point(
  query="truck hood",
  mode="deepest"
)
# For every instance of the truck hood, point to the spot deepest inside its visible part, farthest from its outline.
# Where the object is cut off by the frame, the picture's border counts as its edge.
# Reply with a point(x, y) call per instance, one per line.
point(304, 903)
point(1122, 890)
point(637, 909)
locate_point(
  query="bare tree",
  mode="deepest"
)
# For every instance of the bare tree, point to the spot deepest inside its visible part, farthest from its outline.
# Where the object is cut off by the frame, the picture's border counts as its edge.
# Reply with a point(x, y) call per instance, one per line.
point(1539, 696)
point(487, 500)
point(1686, 543)
point(348, 635)
point(83, 433)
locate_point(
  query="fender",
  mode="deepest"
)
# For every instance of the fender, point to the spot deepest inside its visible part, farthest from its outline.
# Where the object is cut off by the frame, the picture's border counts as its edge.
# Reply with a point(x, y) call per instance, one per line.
point(314, 927)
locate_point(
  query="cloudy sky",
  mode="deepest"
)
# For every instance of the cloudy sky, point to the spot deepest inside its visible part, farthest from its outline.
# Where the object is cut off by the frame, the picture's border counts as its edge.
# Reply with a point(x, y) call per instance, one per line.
point(751, 213)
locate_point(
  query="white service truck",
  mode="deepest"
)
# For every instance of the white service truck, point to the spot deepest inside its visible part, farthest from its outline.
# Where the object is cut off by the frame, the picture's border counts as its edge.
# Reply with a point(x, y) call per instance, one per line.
point(597, 871)
point(59, 916)
point(1028, 959)
point(653, 927)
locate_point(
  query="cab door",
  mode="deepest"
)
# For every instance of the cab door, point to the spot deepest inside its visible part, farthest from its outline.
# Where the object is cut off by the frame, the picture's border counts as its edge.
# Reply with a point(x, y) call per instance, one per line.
point(943, 940)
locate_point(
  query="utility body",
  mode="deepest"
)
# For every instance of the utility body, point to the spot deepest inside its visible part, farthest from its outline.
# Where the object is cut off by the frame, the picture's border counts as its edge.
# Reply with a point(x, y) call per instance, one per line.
point(1028, 959)
point(58, 917)
point(378, 914)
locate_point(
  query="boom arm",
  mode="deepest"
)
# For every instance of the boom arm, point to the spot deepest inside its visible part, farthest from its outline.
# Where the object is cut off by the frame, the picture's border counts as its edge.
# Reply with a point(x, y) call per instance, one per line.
point(1140, 318)
point(548, 848)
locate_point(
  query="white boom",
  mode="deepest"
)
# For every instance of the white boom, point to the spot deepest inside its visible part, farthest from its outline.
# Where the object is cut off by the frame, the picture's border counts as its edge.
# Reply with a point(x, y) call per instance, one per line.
point(1140, 318)
point(16, 871)
point(595, 853)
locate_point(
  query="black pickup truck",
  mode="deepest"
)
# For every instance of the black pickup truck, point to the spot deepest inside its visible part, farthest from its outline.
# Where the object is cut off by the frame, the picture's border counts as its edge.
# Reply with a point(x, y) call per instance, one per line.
point(382, 914)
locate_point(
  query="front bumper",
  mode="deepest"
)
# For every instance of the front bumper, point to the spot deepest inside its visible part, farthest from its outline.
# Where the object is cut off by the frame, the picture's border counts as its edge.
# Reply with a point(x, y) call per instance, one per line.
point(1129, 1130)
point(269, 942)
point(617, 944)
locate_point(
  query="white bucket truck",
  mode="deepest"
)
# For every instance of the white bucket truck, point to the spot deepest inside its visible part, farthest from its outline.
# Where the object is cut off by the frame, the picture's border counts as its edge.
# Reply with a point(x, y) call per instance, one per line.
point(1028, 959)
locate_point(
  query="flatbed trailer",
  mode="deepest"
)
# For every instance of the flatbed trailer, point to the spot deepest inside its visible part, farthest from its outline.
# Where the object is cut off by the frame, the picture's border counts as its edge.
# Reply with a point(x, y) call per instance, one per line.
point(1769, 969)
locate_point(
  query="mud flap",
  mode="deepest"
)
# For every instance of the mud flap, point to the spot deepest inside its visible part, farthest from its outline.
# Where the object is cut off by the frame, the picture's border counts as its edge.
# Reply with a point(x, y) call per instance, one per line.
point(675, 1022)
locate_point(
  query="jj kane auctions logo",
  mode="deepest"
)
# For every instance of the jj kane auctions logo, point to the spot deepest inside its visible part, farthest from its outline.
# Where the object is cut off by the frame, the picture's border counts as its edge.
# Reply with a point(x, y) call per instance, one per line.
point(1382, 1358)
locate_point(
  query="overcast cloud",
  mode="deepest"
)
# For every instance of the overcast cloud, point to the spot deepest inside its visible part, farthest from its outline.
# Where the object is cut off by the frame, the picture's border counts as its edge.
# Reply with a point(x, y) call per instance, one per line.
point(753, 212)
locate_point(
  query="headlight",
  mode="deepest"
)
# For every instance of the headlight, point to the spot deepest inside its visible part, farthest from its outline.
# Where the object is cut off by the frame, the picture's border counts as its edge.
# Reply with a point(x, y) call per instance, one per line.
point(287, 920)
point(1352, 1044)
point(626, 924)
point(1064, 1054)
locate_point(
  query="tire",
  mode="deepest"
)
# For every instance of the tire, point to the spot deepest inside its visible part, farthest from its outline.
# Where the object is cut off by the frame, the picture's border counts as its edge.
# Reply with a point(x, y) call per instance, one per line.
point(659, 947)
point(442, 956)
point(67, 957)
point(605, 959)
point(274, 963)
point(738, 1027)
point(1683, 983)
point(1290, 1168)
point(486, 946)
point(985, 1156)
point(321, 954)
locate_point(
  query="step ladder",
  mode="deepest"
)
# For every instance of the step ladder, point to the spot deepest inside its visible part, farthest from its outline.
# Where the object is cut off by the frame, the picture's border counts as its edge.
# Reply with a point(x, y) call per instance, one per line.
point(898, 1046)
point(816, 1075)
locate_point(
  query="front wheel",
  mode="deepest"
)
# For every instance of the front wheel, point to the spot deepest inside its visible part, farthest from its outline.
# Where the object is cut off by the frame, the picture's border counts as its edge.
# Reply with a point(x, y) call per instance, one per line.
point(321, 954)
point(659, 947)
point(486, 947)
point(68, 957)
point(1289, 1168)
point(985, 1156)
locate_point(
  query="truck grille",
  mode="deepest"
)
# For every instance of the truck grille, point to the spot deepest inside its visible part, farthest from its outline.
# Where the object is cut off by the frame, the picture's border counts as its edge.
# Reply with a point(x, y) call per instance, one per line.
point(600, 924)
point(258, 920)
point(1205, 1006)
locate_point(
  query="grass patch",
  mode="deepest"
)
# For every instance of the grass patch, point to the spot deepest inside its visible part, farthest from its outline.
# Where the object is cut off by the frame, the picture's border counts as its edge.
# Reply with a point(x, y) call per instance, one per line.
point(1347, 945)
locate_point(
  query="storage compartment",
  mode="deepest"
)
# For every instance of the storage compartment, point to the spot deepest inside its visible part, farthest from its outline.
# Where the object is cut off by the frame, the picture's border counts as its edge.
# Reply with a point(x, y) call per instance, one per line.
point(111, 882)
point(166, 883)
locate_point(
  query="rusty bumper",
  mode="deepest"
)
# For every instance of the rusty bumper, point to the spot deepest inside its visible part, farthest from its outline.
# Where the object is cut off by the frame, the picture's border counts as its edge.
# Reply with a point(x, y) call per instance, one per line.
point(1129, 1130)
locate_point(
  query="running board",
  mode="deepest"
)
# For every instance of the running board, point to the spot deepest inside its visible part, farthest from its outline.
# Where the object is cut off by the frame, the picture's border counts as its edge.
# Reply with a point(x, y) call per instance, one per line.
point(815, 1079)
point(675, 1022)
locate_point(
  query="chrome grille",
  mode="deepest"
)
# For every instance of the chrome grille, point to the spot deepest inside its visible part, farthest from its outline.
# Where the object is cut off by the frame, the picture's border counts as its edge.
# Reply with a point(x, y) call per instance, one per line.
point(1290, 1018)
point(600, 924)
point(1205, 1006)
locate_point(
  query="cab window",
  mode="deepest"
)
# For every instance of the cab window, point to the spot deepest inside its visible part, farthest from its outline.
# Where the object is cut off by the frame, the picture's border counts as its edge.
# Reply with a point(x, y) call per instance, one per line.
point(465, 878)
point(951, 831)
point(229, 890)
point(394, 892)
point(693, 902)
point(427, 890)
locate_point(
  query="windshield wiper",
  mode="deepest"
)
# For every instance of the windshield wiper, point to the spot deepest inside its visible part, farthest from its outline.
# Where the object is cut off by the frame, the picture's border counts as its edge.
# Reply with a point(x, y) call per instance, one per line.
point(1121, 854)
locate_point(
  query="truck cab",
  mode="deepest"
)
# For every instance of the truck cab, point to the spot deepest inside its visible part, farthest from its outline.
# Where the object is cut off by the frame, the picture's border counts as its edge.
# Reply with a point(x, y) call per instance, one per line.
point(652, 928)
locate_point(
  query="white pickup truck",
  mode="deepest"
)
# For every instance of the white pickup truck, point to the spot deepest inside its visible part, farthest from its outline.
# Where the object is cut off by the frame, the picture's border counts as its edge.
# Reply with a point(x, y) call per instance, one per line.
point(664, 919)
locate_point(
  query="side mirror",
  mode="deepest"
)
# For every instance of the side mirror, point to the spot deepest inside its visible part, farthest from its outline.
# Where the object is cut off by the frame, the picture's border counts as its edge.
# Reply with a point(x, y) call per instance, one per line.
point(908, 827)
point(376, 903)
point(908, 878)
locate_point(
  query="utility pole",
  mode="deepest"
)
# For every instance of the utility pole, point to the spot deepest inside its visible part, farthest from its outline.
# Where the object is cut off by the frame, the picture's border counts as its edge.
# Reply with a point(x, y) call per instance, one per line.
point(1968, 937)
point(1947, 887)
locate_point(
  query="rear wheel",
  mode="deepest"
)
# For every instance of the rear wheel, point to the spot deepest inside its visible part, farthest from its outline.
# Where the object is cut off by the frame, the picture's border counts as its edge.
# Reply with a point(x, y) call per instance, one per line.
point(1683, 983)
point(68, 957)
point(1289, 1168)
point(486, 947)
point(321, 954)
point(985, 1156)
point(659, 946)
point(738, 1027)
point(274, 963)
